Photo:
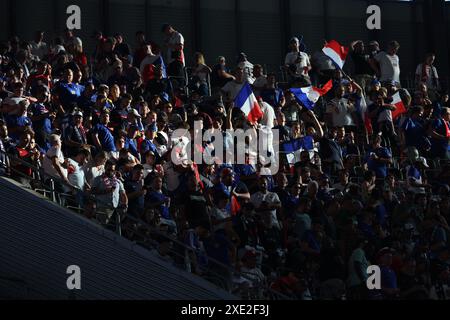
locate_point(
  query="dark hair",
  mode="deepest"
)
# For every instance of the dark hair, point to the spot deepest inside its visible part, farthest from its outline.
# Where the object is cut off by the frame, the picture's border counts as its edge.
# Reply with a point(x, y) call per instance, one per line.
point(84, 152)
point(138, 167)
point(165, 26)
point(368, 174)
point(110, 163)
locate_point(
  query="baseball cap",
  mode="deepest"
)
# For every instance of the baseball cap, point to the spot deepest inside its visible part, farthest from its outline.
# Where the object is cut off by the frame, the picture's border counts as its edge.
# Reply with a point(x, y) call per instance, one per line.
point(78, 114)
point(374, 43)
point(162, 138)
point(423, 161)
point(134, 112)
point(375, 82)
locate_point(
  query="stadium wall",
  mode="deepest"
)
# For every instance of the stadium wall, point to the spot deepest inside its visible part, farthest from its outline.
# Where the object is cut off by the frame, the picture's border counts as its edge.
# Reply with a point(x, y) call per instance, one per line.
point(260, 28)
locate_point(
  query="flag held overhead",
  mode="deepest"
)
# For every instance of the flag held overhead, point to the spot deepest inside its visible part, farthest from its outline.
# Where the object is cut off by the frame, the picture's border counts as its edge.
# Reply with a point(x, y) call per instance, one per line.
point(308, 96)
point(336, 52)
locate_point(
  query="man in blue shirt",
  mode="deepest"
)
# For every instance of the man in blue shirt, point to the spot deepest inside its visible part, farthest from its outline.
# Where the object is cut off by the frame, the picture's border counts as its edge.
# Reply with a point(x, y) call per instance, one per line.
point(67, 91)
point(148, 143)
point(389, 286)
point(439, 132)
point(101, 134)
point(136, 191)
point(42, 118)
point(378, 158)
point(414, 132)
point(18, 123)
point(130, 141)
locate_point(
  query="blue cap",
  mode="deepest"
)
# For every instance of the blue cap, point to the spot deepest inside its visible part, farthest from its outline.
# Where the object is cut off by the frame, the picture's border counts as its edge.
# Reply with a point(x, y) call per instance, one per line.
point(222, 188)
point(375, 82)
point(152, 127)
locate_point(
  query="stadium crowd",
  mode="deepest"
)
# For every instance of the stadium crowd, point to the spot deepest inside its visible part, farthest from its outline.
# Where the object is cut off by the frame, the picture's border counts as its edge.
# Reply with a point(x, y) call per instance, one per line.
point(373, 190)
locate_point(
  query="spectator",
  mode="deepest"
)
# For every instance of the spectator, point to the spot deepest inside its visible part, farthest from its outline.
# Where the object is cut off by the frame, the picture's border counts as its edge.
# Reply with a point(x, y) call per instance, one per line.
point(174, 42)
point(200, 73)
point(102, 136)
point(136, 191)
point(247, 67)
point(220, 75)
point(387, 65)
point(439, 131)
point(38, 46)
point(55, 165)
point(426, 73)
point(297, 63)
point(109, 193)
point(378, 158)
point(232, 88)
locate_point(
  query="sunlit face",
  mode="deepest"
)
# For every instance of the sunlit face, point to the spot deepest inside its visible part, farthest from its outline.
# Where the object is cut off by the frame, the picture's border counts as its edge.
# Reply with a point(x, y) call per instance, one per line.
point(68, 75)
point(239, 74)
point(78, 120)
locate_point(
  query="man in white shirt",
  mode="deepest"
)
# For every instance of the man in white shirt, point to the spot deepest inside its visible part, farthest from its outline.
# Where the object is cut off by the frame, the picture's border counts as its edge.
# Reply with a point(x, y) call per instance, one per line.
point(247, 66)
point(339, 110)
point(268, 114)
point(38, 46)
point(232, 88)
point(297, 58)
point(266, 203)
point(260, 80)
point(75, 172)
point(150, 58)
point(174, 42)
point(388, 63)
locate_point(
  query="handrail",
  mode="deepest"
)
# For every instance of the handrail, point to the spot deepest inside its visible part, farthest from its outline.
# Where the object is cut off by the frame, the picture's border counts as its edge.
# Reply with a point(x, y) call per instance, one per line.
point(154, 231)
point(190, 249)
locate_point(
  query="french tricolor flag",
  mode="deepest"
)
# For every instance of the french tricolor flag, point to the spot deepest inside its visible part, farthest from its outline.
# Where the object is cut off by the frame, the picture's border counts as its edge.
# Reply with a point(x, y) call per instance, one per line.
point(246, 101)
point(336, 52)
point(399, 106)
point(308, 96)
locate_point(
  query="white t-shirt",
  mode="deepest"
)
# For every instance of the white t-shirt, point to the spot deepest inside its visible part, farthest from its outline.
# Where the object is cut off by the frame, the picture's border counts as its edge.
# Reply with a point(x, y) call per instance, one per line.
point(47, 163)
point(247, 66)
point(268, 115)
point(292, 57)
point(91, 172)
point(77, 177)
point(343, 117)
point(389, 65)
point(231, 90)
point(271, 198)
point(175, 38)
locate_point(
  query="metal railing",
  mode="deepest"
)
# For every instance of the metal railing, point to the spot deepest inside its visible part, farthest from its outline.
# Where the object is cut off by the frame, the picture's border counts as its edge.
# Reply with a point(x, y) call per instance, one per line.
point(213, 271)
